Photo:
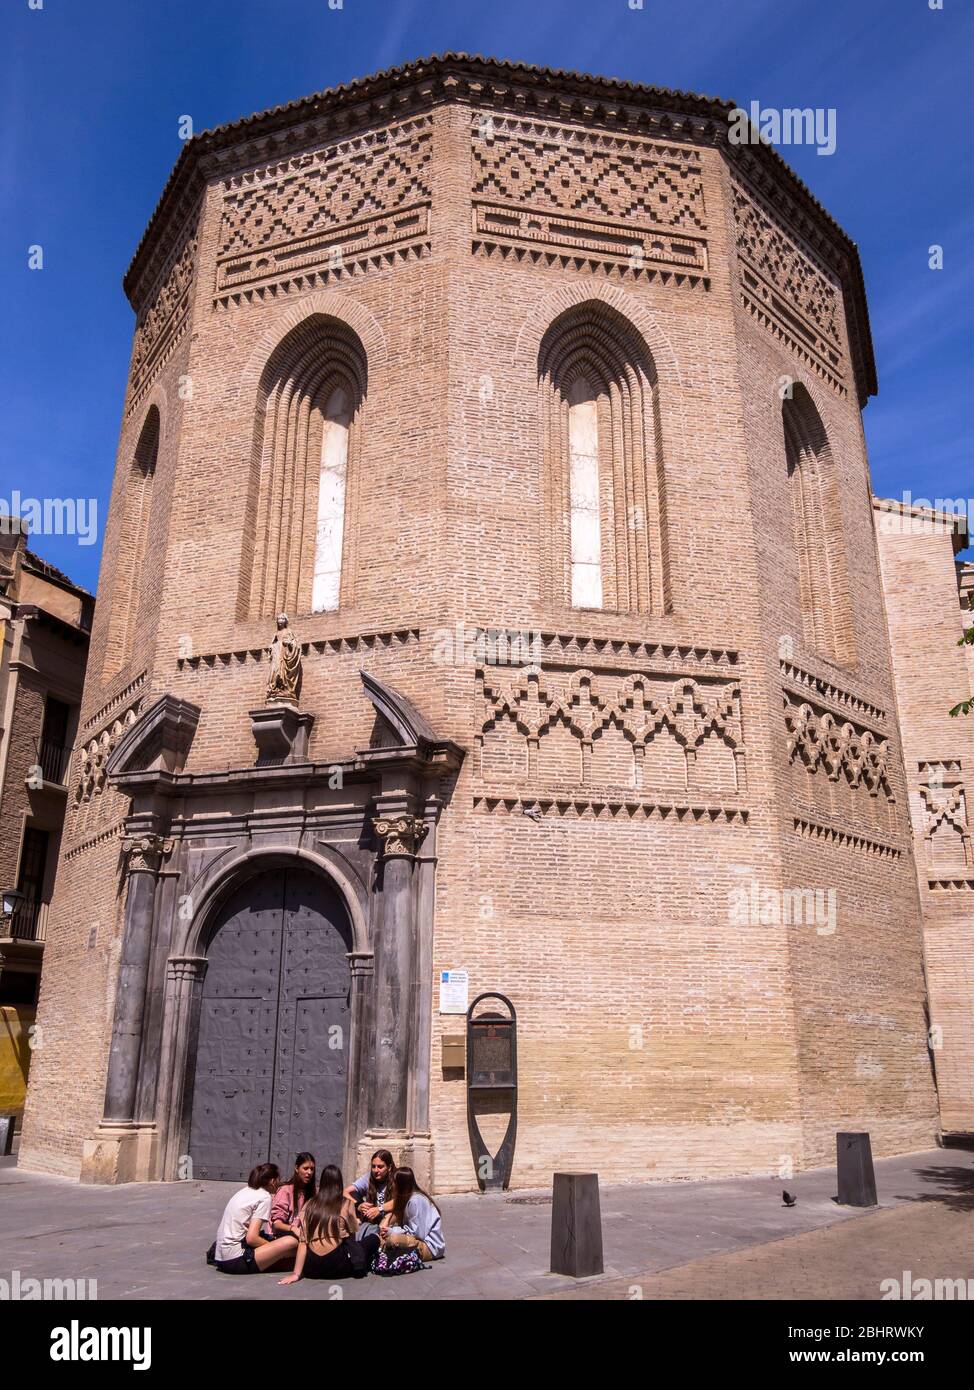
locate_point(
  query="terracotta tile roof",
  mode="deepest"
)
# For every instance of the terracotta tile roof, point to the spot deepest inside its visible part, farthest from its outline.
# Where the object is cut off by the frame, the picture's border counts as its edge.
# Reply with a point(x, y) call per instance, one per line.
point(46, 570)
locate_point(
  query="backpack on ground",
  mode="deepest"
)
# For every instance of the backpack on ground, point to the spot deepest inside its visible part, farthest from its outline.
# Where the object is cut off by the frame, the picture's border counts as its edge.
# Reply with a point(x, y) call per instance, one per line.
point(405, 1262)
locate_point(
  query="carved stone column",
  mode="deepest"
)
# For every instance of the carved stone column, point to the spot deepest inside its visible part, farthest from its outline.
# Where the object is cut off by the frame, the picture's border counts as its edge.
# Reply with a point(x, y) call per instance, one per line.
point(420, 1144)
point(145, 854)
point(361, 965)
point(184, 986)
point(121, 1150)
point(395, 970)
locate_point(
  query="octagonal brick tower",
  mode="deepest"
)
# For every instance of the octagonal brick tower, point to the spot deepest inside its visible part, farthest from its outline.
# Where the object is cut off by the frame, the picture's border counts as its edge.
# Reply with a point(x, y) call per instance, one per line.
point(475, 348)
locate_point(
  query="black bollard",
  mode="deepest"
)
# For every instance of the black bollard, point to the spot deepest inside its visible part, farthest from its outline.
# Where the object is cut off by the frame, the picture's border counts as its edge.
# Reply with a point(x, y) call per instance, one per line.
point(854, 1164)
point(7, 1123)
point(576, 1225)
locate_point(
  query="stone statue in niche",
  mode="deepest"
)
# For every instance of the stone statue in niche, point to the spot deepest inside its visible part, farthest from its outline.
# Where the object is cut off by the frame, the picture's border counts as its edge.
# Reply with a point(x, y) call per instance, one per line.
point(285, 676)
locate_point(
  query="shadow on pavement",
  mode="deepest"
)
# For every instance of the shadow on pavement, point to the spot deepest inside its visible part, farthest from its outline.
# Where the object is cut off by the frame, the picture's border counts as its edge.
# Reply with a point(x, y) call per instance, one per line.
point(956, 1184)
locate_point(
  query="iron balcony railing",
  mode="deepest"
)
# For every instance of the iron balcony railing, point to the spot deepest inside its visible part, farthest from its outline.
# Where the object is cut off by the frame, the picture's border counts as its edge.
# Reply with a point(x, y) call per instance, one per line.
point(28, 921)
point(53, 759)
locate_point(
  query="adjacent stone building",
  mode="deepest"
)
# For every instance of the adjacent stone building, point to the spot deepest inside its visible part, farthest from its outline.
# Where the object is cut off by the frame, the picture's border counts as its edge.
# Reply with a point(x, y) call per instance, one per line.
point(45, 622)
point(490, 584)
point(927, 603)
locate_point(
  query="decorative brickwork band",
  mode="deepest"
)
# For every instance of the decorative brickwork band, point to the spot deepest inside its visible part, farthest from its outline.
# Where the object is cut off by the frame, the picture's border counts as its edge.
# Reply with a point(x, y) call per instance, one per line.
point(327, 210)
point(830, 835)
point(845, 700)
point(556, 194)
point(946, 831)
point(817, 739)
point(653, 716)
point(163, 313)
point(95, 752)
point(786, 291)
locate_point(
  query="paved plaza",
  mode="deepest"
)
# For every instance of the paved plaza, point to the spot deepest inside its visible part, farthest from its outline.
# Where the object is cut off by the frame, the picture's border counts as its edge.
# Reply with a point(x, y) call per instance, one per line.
point(728, 1239)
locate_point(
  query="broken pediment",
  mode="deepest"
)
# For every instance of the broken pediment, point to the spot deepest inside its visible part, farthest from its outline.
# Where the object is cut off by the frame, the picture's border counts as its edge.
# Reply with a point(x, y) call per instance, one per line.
point(400, 728)
point(158, 741)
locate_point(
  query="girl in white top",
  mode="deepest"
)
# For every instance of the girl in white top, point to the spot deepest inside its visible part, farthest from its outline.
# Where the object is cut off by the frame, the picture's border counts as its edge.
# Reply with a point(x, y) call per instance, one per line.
point(240, 1248)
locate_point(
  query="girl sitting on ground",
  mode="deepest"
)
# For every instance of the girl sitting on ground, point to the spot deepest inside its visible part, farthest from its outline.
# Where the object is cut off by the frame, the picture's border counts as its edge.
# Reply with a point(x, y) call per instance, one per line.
point(328, 1249)
point(291, 1196)
point(414, 1221)
point(372, 1193)
point(240, 1247)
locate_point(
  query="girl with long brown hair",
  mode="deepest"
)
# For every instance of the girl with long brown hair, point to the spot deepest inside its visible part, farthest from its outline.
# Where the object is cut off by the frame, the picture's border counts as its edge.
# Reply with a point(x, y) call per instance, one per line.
point(372, 1192)
point(291, 1196)
point(327, 1248)
point(414, 1221)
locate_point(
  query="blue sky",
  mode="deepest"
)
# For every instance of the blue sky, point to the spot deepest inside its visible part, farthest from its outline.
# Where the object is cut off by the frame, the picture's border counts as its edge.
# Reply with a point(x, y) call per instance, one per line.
point(92, 94)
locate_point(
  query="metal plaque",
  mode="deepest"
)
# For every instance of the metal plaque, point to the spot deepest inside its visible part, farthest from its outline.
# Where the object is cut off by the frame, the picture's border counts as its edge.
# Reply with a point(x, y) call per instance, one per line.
point(492, 1086)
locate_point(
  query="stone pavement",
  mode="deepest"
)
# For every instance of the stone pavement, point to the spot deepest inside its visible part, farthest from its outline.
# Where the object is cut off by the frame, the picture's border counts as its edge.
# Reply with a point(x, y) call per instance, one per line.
point(727, 1239)
point(847, 1260)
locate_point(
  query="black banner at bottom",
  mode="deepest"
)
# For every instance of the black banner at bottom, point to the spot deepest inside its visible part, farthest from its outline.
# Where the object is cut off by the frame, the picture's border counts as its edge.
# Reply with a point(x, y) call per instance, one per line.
point(147, 1338)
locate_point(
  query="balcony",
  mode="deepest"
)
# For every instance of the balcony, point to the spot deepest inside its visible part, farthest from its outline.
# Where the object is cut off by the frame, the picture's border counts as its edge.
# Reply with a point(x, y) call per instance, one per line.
point(27, 922)
point(53, 760)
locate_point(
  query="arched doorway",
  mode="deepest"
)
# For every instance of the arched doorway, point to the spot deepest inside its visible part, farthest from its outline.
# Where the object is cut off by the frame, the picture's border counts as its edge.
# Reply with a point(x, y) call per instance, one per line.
point(271, 1069)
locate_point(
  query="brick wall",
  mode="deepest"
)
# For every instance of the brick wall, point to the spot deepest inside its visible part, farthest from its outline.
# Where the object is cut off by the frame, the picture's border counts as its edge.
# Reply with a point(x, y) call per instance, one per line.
point(932, 675)
point(658, 1029)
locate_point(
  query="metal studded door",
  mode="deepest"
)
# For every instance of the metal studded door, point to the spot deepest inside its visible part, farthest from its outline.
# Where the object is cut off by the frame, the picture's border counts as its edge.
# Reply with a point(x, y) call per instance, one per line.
point(273, 1039)
point(311, 1073)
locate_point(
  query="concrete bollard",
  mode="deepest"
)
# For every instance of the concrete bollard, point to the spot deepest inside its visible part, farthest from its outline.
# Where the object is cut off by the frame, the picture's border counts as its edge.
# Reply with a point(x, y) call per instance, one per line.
point(576, 1225)
point(854, 1165)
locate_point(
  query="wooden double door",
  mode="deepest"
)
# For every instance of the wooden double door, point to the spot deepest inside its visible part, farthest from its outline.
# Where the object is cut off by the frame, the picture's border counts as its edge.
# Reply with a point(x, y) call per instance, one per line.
point(271, 1071)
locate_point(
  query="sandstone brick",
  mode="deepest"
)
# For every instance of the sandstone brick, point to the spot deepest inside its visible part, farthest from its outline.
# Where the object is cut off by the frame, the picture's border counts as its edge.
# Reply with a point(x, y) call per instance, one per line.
point(658, 1030)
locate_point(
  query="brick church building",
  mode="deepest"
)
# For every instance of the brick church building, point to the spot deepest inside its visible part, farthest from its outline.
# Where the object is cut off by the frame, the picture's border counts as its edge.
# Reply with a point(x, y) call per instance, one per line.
point(533, 402)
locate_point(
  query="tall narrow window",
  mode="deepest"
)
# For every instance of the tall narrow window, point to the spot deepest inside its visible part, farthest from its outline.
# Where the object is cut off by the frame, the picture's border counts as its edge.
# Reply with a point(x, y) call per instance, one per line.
point(33, 863)
point(31, 882)
point(54, 748)
point(130, 554)
point(586, 525)
point(823, 576)
point(297, 546)
point(604, 538)
point(331, 503)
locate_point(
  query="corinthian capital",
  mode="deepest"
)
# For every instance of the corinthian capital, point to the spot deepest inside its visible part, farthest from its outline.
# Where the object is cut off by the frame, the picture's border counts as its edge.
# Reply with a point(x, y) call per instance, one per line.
point(145, 853)
point(400, 834)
